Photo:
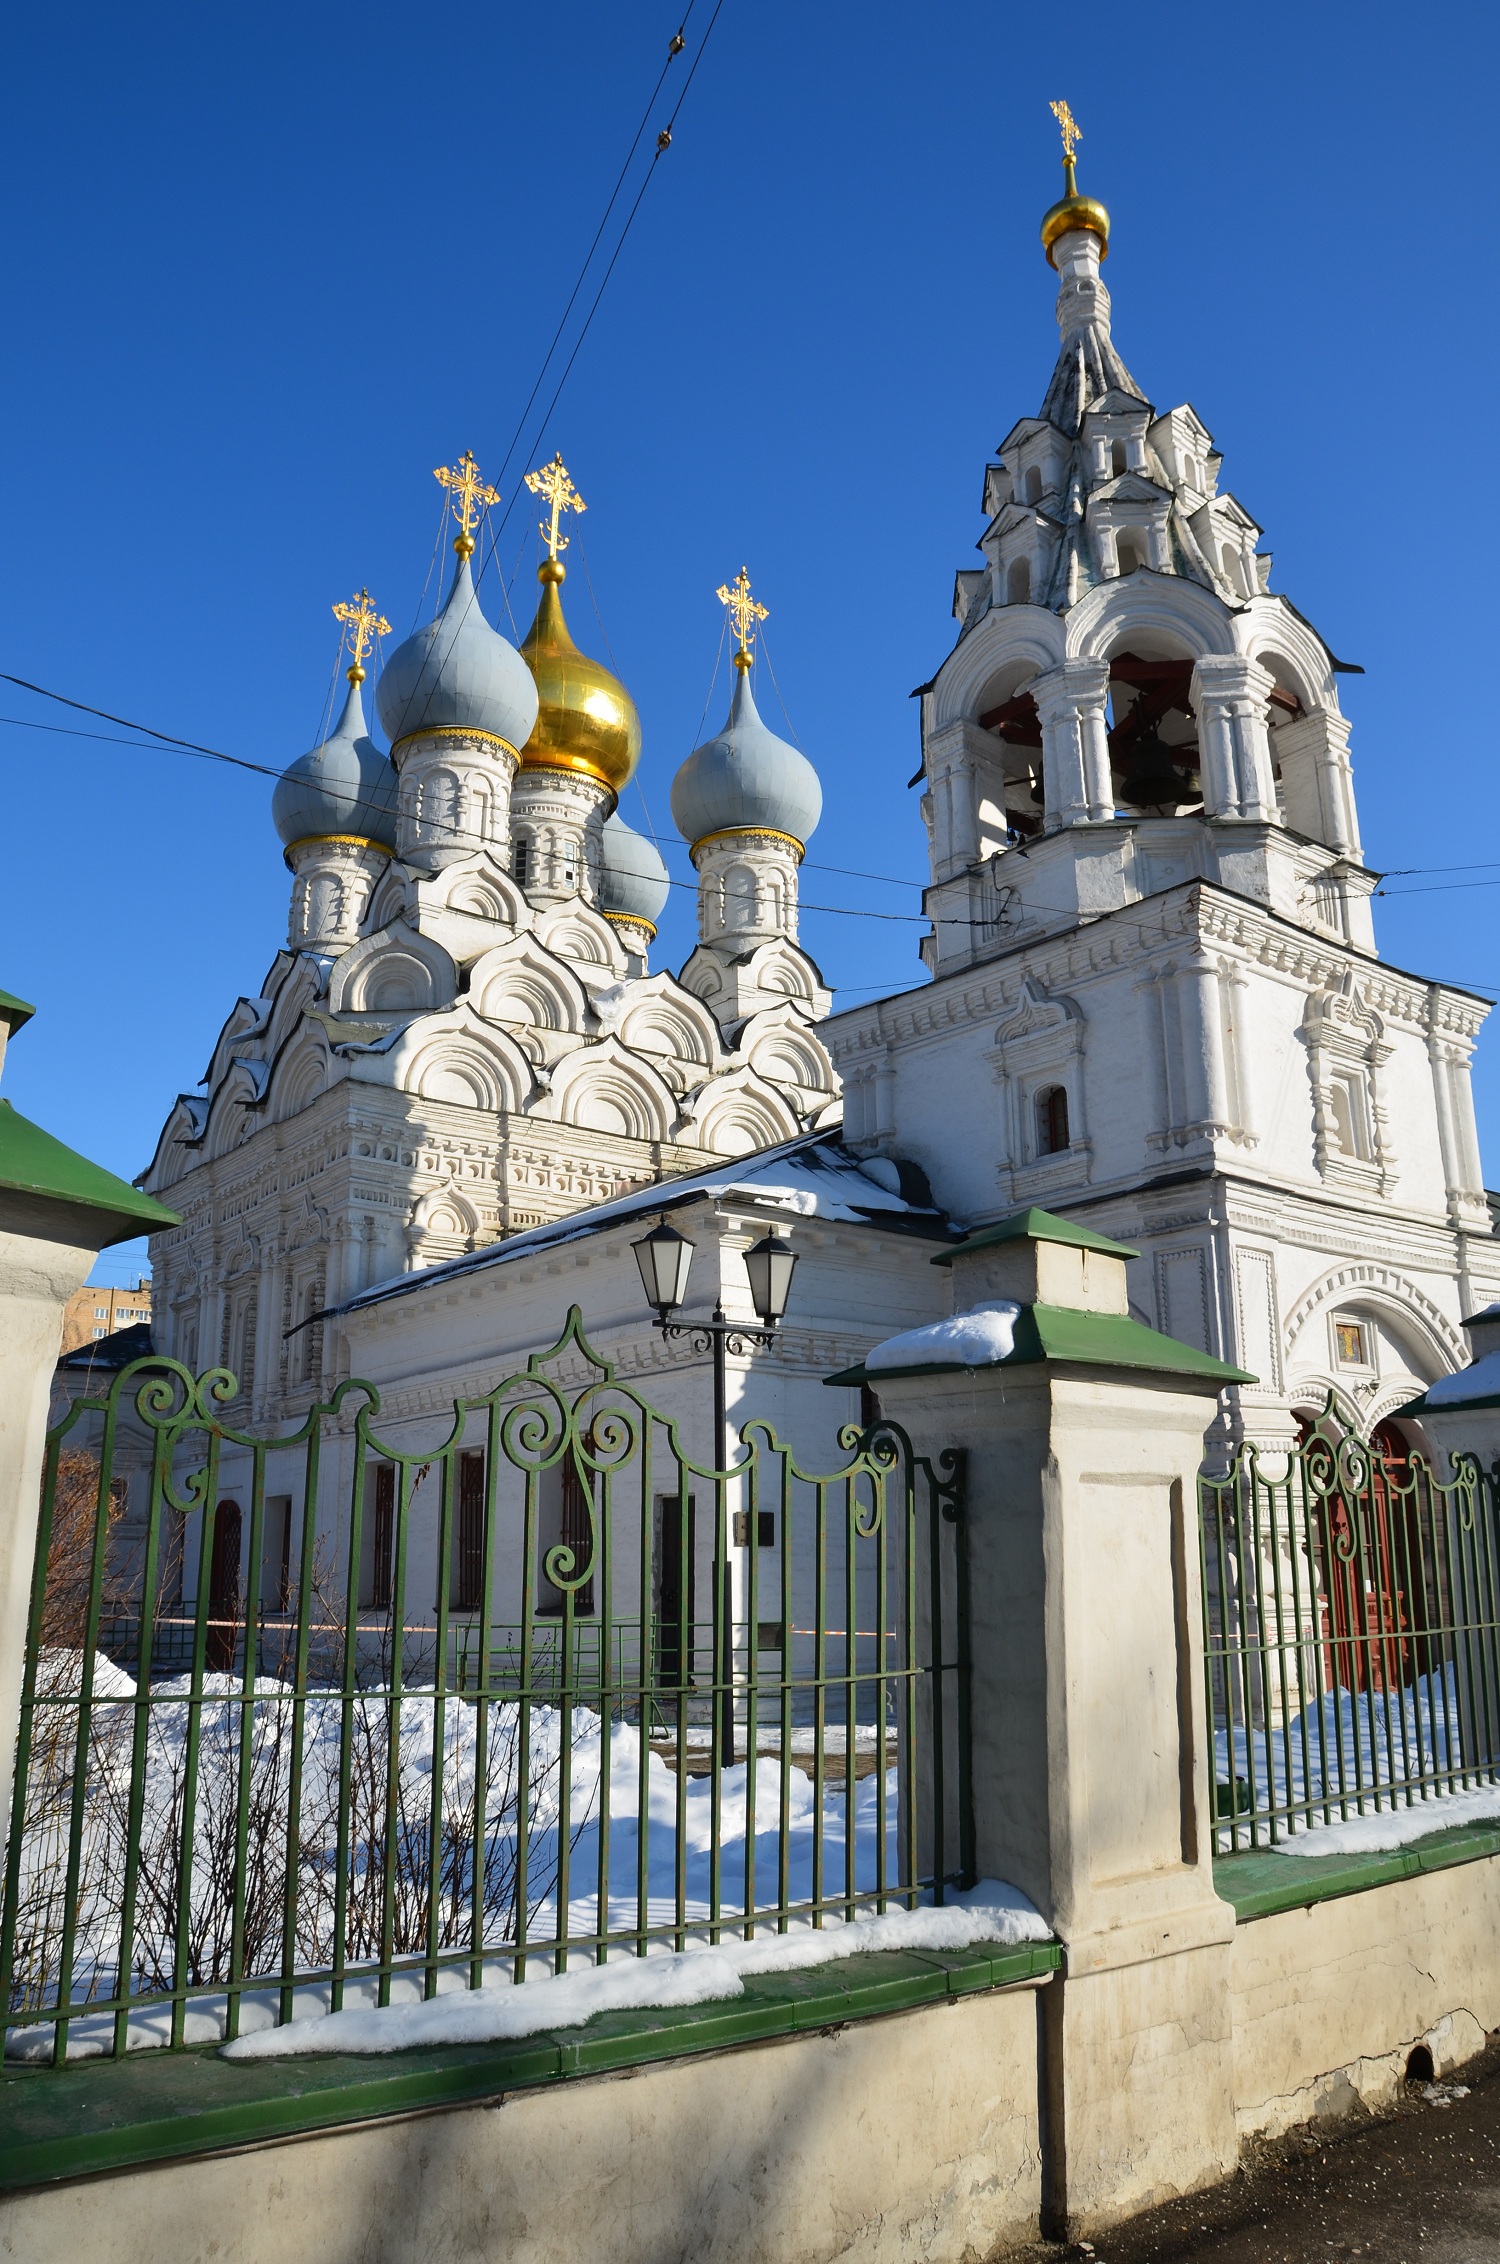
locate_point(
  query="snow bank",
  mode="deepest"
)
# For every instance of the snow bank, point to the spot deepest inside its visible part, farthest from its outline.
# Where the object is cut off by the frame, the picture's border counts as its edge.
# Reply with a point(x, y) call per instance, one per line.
point(974, 1339)
point(1395, 1827)
point(991, 1912)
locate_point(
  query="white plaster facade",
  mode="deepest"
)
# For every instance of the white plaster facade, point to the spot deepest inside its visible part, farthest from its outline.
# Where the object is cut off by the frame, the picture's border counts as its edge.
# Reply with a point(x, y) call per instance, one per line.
point(1148, 895)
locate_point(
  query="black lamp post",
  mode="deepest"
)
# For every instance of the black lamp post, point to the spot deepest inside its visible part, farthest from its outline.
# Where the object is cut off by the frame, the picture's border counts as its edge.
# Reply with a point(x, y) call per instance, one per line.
point(664, 1257)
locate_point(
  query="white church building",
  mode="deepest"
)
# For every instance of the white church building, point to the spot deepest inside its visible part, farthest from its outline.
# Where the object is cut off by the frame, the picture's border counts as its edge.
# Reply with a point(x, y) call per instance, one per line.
point(1154, 1002)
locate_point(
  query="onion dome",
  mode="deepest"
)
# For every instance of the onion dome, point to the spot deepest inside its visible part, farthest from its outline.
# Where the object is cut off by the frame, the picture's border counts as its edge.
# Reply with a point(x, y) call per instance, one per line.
point(633, 882)
point(586, 720)
point(344, 789)
point(746, 779)
point(458, 674)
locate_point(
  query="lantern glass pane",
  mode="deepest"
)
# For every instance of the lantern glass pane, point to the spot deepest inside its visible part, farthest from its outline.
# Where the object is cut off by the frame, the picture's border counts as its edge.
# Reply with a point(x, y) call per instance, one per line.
point(664, 1257)
point(770, 1263)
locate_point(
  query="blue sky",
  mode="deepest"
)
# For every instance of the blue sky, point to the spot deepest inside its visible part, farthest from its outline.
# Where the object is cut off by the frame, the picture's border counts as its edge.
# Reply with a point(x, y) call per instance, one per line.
point(265, 271)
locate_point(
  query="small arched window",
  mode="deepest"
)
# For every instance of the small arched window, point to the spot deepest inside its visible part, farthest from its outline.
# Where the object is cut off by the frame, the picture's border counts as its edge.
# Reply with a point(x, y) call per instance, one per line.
point(1117, 457)
point(1018, 582)
point(1233, 572)
point(1052, 1121)
point(1128, 556)
point(520, 859)
point(1033, 485)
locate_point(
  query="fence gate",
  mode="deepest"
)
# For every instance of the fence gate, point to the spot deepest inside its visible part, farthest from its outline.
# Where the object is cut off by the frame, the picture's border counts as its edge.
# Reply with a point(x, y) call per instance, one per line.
point(326, 1719)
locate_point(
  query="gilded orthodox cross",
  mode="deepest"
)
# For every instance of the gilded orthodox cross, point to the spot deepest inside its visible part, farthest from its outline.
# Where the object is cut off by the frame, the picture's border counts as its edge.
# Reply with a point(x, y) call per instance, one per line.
point(365, 624)
point(468, 495)
point(744, 612)
point(556, 490)
point(1072, 132)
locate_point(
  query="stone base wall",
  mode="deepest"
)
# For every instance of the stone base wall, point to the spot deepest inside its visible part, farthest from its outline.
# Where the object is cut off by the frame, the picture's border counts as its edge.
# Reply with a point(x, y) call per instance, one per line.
point(910, 2136)
point(1329, 2001)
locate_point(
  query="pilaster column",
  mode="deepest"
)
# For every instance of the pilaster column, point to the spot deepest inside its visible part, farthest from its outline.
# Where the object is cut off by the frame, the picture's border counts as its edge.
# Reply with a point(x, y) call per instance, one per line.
point(1091, 1772)
point(1075, 747)
point(1200, 980)
point(1230, 694)
point(1317, 782)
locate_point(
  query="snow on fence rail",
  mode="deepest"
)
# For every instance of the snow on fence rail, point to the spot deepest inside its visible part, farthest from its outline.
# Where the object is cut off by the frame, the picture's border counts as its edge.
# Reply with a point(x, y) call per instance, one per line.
point(315, 1719)
point(1352, 1614)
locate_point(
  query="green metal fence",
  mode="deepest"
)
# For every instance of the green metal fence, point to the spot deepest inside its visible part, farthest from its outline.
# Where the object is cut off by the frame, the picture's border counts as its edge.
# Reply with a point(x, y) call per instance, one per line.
point(329, 1719)
point(1352, 1613)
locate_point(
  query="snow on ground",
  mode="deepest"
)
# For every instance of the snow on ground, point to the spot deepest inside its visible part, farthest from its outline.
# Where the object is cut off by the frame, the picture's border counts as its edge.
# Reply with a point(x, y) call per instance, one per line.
point(819, 1844)
point(1345, 1751)
point(1396, 1827)
point(973, 1339)
point(990, 1912)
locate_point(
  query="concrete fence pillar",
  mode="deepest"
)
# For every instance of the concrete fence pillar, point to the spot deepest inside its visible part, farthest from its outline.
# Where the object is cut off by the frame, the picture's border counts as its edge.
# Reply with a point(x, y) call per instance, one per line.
point(57, 1212)
point(1092, 1783)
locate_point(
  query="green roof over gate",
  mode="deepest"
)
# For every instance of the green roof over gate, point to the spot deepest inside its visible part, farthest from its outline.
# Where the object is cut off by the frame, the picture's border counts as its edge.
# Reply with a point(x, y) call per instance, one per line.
point(33, 1163)
point(1037, 1226)
point(1093, 1340)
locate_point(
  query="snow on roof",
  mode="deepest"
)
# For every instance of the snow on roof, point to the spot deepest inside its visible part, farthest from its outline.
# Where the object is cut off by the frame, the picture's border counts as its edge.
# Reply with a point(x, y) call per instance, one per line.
point(811, 1177)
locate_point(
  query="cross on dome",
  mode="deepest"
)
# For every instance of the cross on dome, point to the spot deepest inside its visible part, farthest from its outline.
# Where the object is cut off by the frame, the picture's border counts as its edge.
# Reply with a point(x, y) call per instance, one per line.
point(364, 624)
point(744, 611)
point(555, 488)
point(468, 495)
point(1072, 132)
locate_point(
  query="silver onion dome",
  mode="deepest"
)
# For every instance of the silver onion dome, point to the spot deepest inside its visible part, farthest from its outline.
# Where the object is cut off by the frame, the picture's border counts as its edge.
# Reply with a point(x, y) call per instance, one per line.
point(633, 881)
point(345, 786)
point(746, 777)
point(458, 674)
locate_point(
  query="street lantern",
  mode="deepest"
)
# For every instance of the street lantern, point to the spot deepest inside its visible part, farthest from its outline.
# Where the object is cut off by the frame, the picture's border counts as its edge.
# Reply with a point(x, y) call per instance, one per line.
point(664, 1257)
point(769, 1263)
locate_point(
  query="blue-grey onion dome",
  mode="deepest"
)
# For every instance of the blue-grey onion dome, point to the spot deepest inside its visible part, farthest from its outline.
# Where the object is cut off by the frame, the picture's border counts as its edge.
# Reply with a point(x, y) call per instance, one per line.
point(746, 777)
point(458, 674)
point(633, 882)
point(345, 786)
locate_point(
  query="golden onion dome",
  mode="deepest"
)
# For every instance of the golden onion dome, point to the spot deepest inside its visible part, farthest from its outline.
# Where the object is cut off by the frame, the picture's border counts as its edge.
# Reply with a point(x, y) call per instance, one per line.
point(1074, 211)
point(586, 720)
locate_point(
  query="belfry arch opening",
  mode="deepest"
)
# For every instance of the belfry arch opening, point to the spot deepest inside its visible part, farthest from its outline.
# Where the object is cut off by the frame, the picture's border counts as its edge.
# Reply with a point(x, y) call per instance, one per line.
point(1153, 733)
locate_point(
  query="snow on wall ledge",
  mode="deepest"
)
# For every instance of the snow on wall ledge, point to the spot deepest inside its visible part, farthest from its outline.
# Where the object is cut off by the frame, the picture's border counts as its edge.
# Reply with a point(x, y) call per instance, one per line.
point(990, 1912)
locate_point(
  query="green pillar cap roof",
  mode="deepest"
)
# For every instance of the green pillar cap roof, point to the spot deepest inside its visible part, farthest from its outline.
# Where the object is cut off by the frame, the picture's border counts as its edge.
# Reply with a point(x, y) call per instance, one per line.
point(14, 1011)
point(33, 1163)
point(1037, 1226)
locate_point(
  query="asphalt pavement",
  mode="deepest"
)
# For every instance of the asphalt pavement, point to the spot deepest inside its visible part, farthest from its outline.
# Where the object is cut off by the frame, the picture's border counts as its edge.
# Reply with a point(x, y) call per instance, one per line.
point(1420, 2185)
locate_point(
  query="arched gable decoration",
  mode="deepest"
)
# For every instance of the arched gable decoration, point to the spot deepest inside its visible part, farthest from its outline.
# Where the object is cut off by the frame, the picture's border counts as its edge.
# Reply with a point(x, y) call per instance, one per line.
point(667, 1022)
point(396, 972)
point(1386, 1291)
point(606, 1088)
point(458, 1058)
point(389, 900)
point(780, 1047)
point(301, 1073)
point(735, 1114)
point(444, 1224)
point(575, 931)
point(525, 985)
point(1005, 644)
point(480, 887)
point(1140, 611)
